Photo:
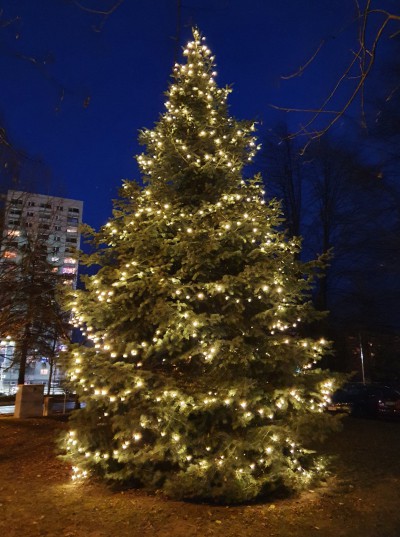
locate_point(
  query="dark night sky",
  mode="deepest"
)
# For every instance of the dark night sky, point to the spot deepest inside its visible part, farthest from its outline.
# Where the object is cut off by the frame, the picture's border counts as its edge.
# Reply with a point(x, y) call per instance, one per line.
point(125, 69)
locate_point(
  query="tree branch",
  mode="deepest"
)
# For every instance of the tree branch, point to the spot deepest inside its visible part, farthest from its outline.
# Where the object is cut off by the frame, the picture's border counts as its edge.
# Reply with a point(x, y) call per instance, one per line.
point(104, 13)
point(365, 56)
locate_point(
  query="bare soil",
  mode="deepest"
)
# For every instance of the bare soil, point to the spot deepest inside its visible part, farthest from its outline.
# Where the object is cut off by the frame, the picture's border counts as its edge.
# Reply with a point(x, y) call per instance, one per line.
point(38, 498)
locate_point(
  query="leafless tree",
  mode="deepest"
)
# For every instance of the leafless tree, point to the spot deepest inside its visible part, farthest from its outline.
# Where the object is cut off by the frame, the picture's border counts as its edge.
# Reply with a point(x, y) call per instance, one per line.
point(31, 315)
point(337, 203)
point(284, 175)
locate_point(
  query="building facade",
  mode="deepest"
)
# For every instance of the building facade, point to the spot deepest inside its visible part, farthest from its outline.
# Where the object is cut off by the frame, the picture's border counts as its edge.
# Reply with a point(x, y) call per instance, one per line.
point(55, 222)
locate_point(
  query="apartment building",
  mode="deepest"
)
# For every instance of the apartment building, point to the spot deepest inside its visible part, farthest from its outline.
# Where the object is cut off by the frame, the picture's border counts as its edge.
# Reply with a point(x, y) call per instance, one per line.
point(54, 221)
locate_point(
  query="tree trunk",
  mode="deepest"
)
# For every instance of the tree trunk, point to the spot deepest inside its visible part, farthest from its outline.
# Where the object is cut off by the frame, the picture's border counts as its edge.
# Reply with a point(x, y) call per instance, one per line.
point(50, 377)
point(23, 356)
point(51, 363)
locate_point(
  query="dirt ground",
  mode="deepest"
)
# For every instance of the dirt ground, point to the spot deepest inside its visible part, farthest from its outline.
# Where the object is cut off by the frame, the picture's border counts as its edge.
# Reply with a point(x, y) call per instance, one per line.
point(38, 498)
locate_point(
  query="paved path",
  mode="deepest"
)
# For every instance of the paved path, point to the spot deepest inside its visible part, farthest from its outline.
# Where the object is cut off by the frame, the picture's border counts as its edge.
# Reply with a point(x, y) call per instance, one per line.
point(57, 407)
point(9, 409)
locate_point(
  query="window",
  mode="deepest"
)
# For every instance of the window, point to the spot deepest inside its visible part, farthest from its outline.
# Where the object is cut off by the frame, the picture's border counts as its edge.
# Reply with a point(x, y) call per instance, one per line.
point(68, 270)
point(30, 213)
point(56, 249)
point(54, 259)
point(73, 220)
point(60, 208)
point(13, 233)
point(12, 222)
point(31, 203)
point(70, 261)
point(71, 229)
point(10, 254)
point(15, 211)
point(45, 205)
point(71, 240)
point(44, 226)
point(57, 238)
point(15, 201)
point(73, 210)
point(57, 228)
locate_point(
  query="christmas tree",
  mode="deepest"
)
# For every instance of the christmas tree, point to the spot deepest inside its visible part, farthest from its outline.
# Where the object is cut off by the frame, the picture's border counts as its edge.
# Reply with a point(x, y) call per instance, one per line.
point(198, 379)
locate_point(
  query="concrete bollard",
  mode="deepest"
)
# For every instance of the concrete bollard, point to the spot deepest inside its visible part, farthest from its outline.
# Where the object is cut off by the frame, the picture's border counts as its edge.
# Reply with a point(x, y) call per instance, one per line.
point(48, 406)
point(29, 401)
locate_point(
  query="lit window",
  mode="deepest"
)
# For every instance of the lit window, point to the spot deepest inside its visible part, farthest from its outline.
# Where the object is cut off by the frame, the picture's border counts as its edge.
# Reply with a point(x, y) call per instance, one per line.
point(72, 229)
point(55, 259)
point(9, 254)
point(13, 232)
point(70, 261)
point(68, 270)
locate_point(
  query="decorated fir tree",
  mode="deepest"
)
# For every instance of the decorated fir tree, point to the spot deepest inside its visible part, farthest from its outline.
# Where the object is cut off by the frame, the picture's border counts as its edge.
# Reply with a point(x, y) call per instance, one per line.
point(197, 377)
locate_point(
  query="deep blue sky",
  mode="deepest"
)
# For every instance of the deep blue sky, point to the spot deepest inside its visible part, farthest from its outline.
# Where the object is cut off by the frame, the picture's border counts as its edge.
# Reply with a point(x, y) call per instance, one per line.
point(125, 69)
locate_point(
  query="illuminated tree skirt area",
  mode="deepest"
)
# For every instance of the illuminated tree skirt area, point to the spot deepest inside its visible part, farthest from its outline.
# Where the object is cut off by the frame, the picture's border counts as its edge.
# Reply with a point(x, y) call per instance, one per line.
point(361, 501)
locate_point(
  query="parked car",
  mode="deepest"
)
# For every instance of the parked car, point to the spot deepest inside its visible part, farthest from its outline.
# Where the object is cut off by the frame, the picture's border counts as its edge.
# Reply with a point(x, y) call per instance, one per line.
point(366, 400)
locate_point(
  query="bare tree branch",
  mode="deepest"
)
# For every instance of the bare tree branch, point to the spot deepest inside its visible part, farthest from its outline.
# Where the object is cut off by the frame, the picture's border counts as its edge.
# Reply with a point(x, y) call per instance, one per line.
point(310, 110)
point(302, 68)
point(104, 13)
point(364, 58)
